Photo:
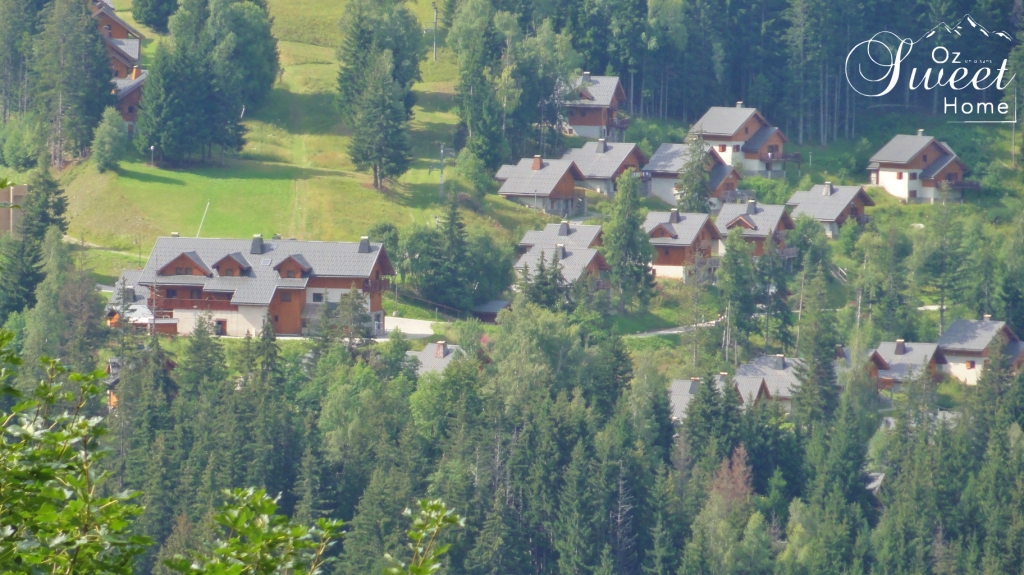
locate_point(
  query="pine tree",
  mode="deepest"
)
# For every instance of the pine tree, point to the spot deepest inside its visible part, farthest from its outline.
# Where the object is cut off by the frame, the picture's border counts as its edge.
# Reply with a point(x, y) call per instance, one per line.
point(694, 181)
point(496, 550)
point(355, 55)
point(15, 51)
point(73, 76)
point(154, 13)
point(382, 142)
point(109, 141)
point(817, 395)
point(628, 248)
point(44, 207)
point(737, 281)
point(773, 296)
point(1013, 278)
point(45, 323)
point(20, 273)
point(574, 528)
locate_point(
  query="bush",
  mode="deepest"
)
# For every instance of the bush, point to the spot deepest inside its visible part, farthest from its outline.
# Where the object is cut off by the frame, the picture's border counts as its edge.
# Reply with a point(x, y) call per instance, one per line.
point(473, 170)
point(768, 191)
point(108, 143)
point(21, 143)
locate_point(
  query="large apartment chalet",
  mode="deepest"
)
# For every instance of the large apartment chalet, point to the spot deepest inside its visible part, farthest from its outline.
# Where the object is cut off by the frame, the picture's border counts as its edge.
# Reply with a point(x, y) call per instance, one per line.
point(240, 284)
point(124, 45)
point(592, 106)
point(662, 174)
point(913, 167)
point(744, 139)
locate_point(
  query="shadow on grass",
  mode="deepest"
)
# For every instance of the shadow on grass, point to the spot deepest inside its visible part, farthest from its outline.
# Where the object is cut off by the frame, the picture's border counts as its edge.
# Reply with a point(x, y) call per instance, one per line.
point(435, 101)
point(310, 113)
point(149, 178)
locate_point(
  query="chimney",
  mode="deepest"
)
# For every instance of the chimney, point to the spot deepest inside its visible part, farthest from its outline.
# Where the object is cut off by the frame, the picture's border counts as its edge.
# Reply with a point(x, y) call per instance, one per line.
point(135, 72)
point(364, 245)
point(276, 237)
point(563, 228)
point(537, 163)
point(751, 207)
point(901, 347)
point(442, 349)
point(673, 216)
point(827, 191)
point(779, 362)
point(987, 317)
point(586, 77)
point(257, 244)
point(175, 235)
point(739, 104)
point(560, 251)
point(920, 131)
point(602, 146)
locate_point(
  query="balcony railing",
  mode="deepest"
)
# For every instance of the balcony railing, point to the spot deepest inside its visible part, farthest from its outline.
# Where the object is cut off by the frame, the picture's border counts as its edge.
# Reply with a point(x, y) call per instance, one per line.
point(602, 284)
point(166, 303)
point(730, 196)
point(862, 220)
point(965, 185)
point(376, 286)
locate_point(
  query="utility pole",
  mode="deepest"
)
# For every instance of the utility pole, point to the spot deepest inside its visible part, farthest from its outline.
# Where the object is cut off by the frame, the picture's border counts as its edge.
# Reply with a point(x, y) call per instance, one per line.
point(434, 6)
point(440, 192)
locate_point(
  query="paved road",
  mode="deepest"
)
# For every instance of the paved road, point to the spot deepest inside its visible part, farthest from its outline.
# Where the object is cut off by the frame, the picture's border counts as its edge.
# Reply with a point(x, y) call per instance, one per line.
point(674, 330)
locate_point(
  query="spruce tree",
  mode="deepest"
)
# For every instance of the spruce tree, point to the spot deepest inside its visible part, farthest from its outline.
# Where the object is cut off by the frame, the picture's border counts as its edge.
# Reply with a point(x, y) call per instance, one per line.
point(737, 282)
point(154, 13)
point(496, 550)
point(15, 51)
point(817, 395)
point(354, 54)
point(381, 144)
point(574, 528)
point(20, 273)
point(44, 207)
point(245, 56)
point(773, 296)
point(694, 181)
point(628, 248)
point(1013, 278)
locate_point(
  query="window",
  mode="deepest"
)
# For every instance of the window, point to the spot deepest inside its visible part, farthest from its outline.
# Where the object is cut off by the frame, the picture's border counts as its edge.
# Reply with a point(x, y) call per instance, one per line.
point(117, 73)
point(736, 148)
point(951, 177)
point(305, 324)
point(773, 149)
point(179, 271)
point(970, 364)
point(131, 109)
point(171, 293)
point(220, 326)
point(188, 271)
point(899, 175)
point(286, 296)
point(229, 272)
point(924, 158)
point(318, 298)
point(913, 175)
point(721, 148)
point(196, 294)
point(746, 130)
point(289, 274)
point(275, 319)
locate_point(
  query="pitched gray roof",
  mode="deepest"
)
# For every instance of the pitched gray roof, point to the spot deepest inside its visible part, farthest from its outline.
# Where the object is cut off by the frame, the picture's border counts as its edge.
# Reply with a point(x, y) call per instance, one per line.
point(722, 121)
point(759, 138)
point(258, 284)
point(907, 364)
point(135, 298)
point(600, 88)
point(571, 234)
point(680, 392)
point(669, 158)
point(125, 86)
point(598, 165)
point(685, 229)
point(109, 11)
point(778, 373)
point(522, 180)
point(902, 148)
point(718, 175)
point(970, 334)
point(822, 206)
point(765, 218)
point(936, 166)
point(572, 262)
point(130, 46)
point(435, 356)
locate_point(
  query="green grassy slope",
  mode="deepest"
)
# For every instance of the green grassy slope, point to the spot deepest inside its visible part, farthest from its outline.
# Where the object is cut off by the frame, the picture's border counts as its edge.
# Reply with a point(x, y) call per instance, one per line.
point(294, 176)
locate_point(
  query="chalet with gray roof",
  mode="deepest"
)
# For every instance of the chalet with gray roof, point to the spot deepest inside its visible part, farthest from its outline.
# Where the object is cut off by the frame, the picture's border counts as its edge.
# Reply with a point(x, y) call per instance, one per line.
point(661, 175)
point(569, 234)
point(575, 263)
point(779, 374)
point(679, 239)
point(602, 162)
point(758, 222)
point(592, 107)
point(893, 363)
point(967, 345)
point(912, 168)
point(240, 284)
point(129, 304)
point(749, 389)
point(435, 357)
point(744, 139)
point(550, 185)
point(124, 49)
point(833, 206)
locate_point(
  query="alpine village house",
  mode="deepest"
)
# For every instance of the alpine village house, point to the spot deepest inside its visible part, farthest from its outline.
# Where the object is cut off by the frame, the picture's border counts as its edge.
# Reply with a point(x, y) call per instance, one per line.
point(744, 139)
point(912, 168)
point(592, 107)
point(124, 45)
point(240, 284)
point(661, 174)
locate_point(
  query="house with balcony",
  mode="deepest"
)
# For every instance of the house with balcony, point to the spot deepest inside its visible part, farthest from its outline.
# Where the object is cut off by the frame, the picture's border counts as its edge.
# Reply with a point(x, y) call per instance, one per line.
point(240, 284)
point(680, 240)
point(123, 43)
point(129, 94)
point(833, 206)
point(893, 363)
point(602, 162)
point(11, 216)
point(592, 107)
point(744, 139)
point(758, 222)
point(967, 345)
point(575, 263)
point(661, 175)
point(914, 168)
point(569, 234)
point(554, 186)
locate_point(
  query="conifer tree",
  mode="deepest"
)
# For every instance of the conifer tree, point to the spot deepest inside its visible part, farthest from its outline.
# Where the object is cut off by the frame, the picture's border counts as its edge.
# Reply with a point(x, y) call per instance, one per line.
point(693, 183)
point(20, 273)
point(154, 13)
point(817, 395)
point(773, 296)
point(628, 248)
point(574, 529)
point(1013, 278)
point(15, 51)
point(44, 207)
point(737, 281)
point(245, 56)
point(382, 142)
point(496, 550)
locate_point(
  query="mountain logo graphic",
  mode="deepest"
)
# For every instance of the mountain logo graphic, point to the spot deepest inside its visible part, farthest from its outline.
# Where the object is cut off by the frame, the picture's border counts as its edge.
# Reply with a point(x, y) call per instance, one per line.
point(958, 29)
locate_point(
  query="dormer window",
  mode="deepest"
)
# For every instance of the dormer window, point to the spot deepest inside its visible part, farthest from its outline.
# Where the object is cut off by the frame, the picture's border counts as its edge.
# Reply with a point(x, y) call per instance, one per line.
point(229, 272)
point(289, 274)
point(179, 271)
point(188, 271)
